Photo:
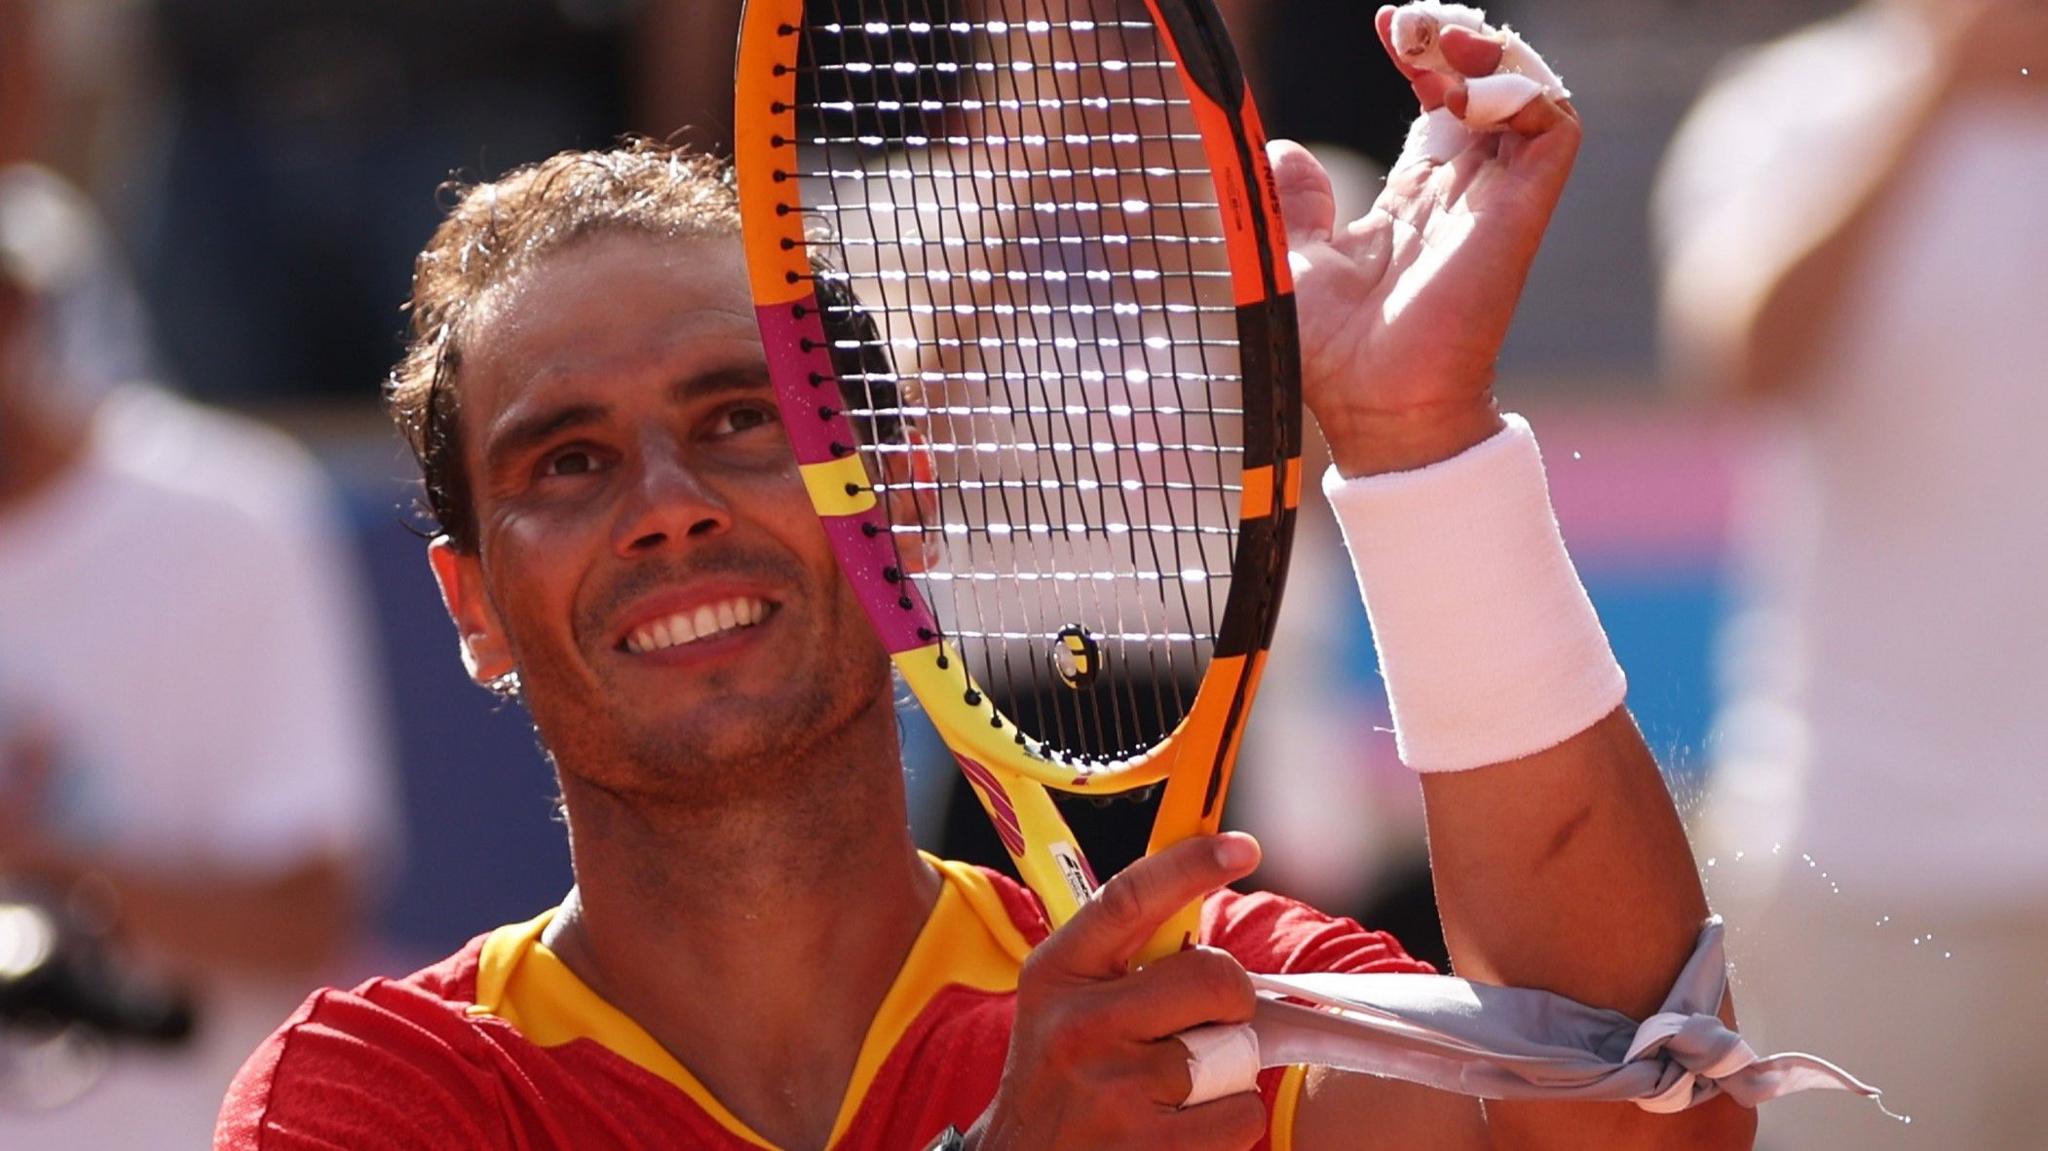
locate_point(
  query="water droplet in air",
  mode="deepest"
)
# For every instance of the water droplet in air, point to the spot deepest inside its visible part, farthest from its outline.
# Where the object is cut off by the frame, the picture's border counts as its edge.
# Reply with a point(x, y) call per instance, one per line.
point(1577, 456)
point(1948, 955)
point(1712, 860)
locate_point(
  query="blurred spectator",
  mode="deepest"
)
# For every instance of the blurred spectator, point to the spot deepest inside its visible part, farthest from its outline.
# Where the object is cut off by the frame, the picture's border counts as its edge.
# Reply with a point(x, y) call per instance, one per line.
point(299, 135)
point(1854, 236)
point(189, 742)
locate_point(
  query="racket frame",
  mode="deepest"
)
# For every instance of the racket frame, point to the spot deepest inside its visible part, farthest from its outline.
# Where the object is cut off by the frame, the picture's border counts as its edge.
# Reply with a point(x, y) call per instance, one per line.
point(1008, 771)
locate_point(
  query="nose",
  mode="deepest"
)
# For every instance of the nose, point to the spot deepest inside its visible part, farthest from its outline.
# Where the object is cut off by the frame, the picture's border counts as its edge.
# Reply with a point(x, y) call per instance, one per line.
point(667, 503)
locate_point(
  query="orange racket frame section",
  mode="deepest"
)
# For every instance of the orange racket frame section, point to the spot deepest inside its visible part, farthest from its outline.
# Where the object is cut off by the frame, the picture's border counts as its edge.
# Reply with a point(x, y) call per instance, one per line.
point(1010, 776)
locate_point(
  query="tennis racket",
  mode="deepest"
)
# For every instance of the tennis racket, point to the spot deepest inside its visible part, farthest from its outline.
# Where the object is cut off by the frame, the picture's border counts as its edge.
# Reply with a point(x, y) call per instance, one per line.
point(1022, 282)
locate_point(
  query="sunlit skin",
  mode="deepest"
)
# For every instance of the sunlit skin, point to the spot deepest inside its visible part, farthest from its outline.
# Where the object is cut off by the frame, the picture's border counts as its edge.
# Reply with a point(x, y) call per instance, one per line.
point(747, 887)
point(628, 463)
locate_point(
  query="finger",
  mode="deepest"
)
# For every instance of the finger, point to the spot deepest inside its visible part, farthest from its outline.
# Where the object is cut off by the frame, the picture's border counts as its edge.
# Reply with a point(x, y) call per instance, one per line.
point(1471, 52)
point(1489, 102)
point(1103, 935)
point(1308, 205)
point(1232, 1123)
point(1537, 117)
point(1160, 1072)
point(1167, 996)
point(1384, 21)
point(1432, 88)
point(1434, 138)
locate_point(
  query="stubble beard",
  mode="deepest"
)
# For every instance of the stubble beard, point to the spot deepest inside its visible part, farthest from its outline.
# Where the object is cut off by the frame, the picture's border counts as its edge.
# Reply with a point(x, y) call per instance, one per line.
point(729, 747)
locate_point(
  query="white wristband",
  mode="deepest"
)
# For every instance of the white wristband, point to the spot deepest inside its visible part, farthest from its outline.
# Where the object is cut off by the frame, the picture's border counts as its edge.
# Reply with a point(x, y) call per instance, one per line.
point(1489, 647)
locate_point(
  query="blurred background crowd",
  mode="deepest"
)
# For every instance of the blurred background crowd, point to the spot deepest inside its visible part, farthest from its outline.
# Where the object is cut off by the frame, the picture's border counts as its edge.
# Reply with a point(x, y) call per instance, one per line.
point(1782, 347)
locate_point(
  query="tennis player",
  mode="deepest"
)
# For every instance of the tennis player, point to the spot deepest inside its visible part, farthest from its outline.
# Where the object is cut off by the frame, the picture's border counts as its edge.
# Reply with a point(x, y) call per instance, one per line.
point(754, 954)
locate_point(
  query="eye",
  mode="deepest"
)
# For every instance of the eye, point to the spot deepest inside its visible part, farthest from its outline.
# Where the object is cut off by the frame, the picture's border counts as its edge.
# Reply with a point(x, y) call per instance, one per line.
point(743, 417)
point(574, 460)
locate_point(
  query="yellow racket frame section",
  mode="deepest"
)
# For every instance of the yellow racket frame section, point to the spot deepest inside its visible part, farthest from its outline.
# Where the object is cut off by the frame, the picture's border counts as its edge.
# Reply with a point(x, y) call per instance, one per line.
point(1010, 777)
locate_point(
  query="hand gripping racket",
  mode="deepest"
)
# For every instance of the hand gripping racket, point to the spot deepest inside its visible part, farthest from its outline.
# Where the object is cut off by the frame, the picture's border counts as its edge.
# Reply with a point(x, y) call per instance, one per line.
point(1022, 283)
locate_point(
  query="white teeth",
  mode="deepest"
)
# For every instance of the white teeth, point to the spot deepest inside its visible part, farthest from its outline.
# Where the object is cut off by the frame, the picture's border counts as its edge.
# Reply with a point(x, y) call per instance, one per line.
point(687, 627)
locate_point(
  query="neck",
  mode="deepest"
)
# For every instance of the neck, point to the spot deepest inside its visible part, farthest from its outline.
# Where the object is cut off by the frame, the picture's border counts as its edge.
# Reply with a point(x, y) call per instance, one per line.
point(699, 923)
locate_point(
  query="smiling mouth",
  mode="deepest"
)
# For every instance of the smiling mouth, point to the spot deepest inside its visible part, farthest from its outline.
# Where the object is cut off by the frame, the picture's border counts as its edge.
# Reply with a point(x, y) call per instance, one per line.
point(708, 621)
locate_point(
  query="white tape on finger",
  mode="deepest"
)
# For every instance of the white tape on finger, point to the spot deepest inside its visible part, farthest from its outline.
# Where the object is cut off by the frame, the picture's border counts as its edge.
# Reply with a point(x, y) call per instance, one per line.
point(1522, 76)
point(1495, 99)
point(1437, 135)
point(1223, 1059)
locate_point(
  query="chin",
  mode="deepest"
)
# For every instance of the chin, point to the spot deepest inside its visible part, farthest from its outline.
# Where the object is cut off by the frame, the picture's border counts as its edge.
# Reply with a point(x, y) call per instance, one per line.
point(739, 744)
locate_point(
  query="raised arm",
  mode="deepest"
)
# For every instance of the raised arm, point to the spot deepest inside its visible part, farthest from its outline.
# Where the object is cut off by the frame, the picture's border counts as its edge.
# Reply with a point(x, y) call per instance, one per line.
point(1559, 865)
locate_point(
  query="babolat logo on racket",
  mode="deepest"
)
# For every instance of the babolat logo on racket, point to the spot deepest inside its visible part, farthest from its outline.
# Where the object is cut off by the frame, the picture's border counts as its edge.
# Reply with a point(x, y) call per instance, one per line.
point(1074, 869)
point(1076, 657)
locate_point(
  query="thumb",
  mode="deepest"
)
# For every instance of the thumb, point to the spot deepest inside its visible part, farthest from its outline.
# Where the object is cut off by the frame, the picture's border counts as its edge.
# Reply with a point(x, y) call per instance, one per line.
point(1308, 208)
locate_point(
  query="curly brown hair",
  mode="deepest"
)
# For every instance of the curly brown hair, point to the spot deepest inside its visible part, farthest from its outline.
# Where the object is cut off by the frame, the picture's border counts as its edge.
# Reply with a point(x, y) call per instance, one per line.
point(498, 229)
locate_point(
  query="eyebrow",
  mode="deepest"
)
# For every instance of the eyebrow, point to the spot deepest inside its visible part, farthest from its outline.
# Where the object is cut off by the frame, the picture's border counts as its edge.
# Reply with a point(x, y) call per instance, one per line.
point(514, 439)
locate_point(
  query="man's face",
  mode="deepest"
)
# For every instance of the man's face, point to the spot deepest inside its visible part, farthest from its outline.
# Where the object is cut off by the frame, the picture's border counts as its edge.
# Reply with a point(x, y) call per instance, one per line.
point(647, 556)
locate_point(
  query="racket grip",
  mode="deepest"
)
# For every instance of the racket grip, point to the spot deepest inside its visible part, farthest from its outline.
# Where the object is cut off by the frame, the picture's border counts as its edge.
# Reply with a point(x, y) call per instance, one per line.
point(1176, 934)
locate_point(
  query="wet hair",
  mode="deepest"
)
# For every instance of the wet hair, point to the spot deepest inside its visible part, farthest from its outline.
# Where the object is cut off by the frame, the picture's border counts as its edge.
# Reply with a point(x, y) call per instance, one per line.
point(497, 230)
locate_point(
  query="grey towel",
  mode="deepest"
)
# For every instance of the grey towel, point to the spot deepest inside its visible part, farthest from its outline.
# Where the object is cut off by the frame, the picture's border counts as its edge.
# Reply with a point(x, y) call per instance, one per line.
point(1517, 1043)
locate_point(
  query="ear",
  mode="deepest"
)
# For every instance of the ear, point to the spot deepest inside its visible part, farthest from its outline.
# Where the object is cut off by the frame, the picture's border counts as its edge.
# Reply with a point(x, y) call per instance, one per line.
point(485, 652)
point(917, 502)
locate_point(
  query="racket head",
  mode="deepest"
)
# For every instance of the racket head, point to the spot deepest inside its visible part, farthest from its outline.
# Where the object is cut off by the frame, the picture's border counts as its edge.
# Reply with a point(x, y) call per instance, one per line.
point(1023, 288)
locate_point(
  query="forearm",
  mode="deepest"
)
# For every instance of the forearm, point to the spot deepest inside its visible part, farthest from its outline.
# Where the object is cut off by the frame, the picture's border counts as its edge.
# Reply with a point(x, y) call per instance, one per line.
point(204, 917)
point(1762, 338)
point(1569, 871)
point(1797, 311)
point(1560, 861)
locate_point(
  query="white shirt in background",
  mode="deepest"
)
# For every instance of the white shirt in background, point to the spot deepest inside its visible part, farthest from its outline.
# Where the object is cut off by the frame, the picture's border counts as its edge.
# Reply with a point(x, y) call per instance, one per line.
point(182, 611)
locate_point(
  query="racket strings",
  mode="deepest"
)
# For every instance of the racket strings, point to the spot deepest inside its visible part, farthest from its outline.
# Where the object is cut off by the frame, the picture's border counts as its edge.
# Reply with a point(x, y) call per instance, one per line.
point(1019, 208)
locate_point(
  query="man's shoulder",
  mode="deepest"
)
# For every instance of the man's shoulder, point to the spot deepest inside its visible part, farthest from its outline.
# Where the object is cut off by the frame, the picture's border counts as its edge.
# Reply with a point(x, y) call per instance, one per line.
point(374, 1065)
point(1267, 932)
point(431, 998)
